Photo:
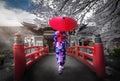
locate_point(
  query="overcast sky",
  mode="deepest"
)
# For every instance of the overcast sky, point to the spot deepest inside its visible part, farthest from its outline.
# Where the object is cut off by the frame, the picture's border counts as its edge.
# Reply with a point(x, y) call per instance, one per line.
point(14, 12)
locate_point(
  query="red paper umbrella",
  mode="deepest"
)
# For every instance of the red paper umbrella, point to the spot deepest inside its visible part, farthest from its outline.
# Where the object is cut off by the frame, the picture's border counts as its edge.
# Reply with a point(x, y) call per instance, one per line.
point(63, 23)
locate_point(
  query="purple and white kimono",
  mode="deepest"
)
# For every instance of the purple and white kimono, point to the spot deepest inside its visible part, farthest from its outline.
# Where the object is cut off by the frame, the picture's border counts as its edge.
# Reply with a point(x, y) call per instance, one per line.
point(60, 42)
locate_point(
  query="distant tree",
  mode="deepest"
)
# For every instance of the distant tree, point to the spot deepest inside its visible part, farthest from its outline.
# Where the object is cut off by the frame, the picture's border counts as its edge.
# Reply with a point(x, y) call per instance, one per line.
point(46, 9)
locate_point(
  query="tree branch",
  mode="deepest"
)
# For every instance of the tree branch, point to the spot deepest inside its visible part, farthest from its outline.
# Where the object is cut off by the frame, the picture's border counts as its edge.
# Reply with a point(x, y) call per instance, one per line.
point(85, 14)
point(85, 4)
point(64, 3)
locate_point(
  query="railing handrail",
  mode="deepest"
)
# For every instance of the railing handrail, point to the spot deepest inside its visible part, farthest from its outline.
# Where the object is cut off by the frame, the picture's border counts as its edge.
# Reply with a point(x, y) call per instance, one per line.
point(34, 56)
point(88, 47)
point(84, 57)
point(24, 60)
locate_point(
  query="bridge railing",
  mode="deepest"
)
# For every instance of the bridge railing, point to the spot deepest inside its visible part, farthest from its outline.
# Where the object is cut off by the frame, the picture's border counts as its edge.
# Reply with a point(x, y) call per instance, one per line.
point(84, 53)
point(35, 55)
point(22, 59)
point(93, 57)
point(79, 53)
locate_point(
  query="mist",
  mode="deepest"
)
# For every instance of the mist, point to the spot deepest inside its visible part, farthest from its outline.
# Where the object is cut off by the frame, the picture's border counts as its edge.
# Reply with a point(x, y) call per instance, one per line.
point(11, 20)
point(7, 36)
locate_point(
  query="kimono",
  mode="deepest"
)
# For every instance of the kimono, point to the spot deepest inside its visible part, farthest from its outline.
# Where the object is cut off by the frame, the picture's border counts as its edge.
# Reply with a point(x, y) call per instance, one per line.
point(60, 43)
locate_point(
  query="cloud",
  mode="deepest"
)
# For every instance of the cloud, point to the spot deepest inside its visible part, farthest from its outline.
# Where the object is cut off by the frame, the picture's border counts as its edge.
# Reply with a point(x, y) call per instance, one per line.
point(14, 17)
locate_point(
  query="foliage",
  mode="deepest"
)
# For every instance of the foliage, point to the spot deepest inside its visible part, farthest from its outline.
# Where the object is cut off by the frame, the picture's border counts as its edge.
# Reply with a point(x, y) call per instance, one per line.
point(6, 53)
point(2, 57)
point(116, 52)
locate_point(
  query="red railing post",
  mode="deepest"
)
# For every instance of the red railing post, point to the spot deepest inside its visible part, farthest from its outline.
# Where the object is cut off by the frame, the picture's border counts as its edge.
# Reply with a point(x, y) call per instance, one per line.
point(99, 57)
point(77, 51)
point(38, 54)
point(47, 50)
point(19, 57)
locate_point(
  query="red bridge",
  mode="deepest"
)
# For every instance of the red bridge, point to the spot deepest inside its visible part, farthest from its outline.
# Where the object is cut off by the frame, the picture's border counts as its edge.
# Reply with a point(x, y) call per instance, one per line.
point(40, 65)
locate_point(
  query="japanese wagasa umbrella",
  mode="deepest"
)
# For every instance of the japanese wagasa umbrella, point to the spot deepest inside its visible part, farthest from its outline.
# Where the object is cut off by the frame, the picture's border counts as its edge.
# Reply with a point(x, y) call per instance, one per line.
point(63, 23)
